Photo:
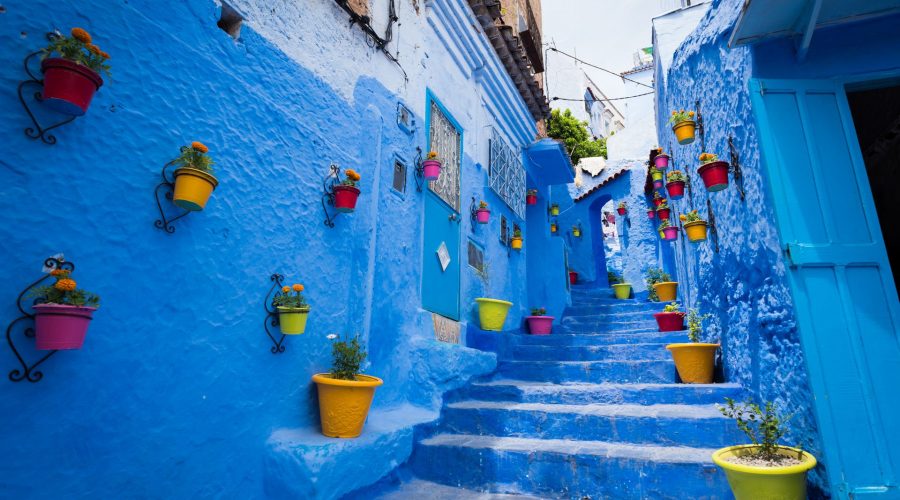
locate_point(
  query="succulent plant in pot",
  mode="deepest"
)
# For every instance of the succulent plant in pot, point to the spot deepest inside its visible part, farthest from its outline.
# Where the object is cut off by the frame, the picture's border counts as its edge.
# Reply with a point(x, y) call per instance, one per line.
point(675, 181)
point(694, 226)
point(72, 66)
point(539, 323)
point(194, 179)
point(671, 319)
point(431, 167)
point(683, 125)
point(482, 213)
point(714, 172)
point(345, 395)
point(293, 310)
point(62, 312)
point(694, 360)
point(347, 192)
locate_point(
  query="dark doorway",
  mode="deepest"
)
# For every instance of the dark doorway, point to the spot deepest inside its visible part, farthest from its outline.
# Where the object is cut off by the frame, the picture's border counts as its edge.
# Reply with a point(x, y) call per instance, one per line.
point(876, 117)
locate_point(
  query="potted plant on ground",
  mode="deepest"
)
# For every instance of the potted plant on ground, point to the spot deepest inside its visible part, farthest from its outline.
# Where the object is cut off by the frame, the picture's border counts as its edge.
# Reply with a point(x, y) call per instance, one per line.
point(431, 167)
point(554, 209)
point(764, 469)
point(671, 319)
point(573, 277)
point(492, 313)
point(622, 208)
point(516, 241)
point(539, 323)
point(675, 184)
point(531, 197)
point(72, 78)
point(621, 289)
point(663, 210)
point(346, 193)
point(62, 313)
point(657, 176)
point(194, 179)
point(482, 214)
point(293, 310)
point(661, 160)
point(657, 199)
point(694, 226)
point(683, 125)
point(695, 360)
point(660, 286)
point(713, 172)
point(345, 395)
point(668, 231)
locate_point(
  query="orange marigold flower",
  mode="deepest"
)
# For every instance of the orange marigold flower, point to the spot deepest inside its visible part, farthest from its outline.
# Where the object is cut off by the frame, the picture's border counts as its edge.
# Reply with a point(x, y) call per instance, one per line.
point(199, 146)
point(682, 217)
point(81, 35)
point(298, 288)
point(65, 284)
point(94, 49)
point(104, 55)
point(56, 272)
point(286, 289)
point(690, 113)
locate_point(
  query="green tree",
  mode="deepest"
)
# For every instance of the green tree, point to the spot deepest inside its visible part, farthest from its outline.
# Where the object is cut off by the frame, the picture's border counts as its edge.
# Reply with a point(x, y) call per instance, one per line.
point(573, 133)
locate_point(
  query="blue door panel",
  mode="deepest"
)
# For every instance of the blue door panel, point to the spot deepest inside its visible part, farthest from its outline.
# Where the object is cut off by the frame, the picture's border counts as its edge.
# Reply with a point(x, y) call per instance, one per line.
point(440, 288)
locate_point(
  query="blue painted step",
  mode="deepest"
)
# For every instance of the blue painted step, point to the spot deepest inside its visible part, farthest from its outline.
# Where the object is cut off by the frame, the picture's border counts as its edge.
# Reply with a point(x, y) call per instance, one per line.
point(609, 393)
point(596, 325)
point(419, 489)
point(561, 468)
point(589, 371)
point(563, 337)
point(634, 351)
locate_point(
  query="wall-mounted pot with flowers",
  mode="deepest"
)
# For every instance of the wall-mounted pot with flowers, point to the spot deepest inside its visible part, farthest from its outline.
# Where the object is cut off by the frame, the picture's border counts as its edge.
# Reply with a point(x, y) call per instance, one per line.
point(694, 360)
point(482, 213)
point(72, 67)
point(668, 231)
point(694, 226)
point(622, 208)
point(62, 313)
point(431, 167)
point(657, 176)
point(293, 310)
point(554, 209)
point(661, 160)
point(651, 213)
point(576, 231)
point(713, 172)
point(621, 289)
point(683, 125)
point(663, 210)
point(492, 313)
point(345, 395)
point(516, 241)
point(531, 197)
point(539, 323)
point(675, 184)
point(346, 193)
point(671, 319)
point(657, 199)
point(194, 179)
point(553, 227)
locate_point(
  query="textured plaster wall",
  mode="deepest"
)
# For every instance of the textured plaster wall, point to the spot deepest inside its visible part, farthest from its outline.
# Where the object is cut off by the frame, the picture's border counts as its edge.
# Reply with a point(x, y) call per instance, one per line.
point(744, 285)
point(175, 392)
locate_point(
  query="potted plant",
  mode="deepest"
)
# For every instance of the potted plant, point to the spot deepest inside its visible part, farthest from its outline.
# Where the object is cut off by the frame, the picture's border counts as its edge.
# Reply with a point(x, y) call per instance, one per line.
point(671, 319)
point(539, 323)
point(713, 172)
point(346, 193)
point(621, 289)
point(661, 160)
point(668, 231)
point(683, 125)
point(675, 184)
point(492, 313)
point(292, 310)
point(622, 208)
point(576, 231)
point(516, 241)
point(553, 227)
point(194, 179)
point(345, 395)
point(764, 469)
point(73, 76)
point(663, 210)
point(531, 197)
point(657, 176)
point(694, 360)
point(431, 167)
point(573, 276)
point(62, 313)
point(651, 213)
point(657, 199)
point(694, 226)
point(660, 286)
point(554, 209)
point(482, 214)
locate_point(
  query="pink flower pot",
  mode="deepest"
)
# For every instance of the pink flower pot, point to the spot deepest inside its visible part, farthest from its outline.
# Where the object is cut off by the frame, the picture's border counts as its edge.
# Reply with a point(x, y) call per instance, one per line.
point(59, 326)
point(715, 175)
point(68, 86)
point(670, 233)
point(676, 189)
point(663, 213)
point(622, 211)
point(651, 213)
point(531, 199)
point(657, 184)
point(432, 169)
point(539, 325)
point(670, 321)
point(483, 215)
point(345, 198)
point(661, 161)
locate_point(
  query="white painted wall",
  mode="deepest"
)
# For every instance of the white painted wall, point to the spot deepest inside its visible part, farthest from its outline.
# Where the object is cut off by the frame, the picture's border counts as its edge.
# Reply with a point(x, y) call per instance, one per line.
point(669, 31)
point(635, 140)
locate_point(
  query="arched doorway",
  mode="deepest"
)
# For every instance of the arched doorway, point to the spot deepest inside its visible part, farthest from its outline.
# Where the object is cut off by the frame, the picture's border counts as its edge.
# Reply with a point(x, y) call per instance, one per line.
point(605, 244)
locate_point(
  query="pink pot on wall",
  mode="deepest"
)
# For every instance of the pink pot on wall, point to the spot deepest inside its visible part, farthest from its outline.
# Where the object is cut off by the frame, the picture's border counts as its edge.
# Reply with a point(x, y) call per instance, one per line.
point(59, 326)
point(431, 169)
point(670, 321)
point(651, 214)
point(670, 233)
point(483, 215)
point(661, 161)
point(540, 325)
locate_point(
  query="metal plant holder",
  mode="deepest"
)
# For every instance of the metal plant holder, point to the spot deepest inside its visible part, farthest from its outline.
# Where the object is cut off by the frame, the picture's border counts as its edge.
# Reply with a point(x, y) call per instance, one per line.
point(37, 131)
point(713, 230)
point(701, 130)
point(168, 183)
point(272, 318)
point(331, 178)
point(419, 174)
point(735, 167)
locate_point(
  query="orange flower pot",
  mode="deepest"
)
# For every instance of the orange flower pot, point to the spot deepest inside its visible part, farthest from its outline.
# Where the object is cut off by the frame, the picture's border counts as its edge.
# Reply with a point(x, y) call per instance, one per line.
point(193, 188)
point(696, 231)
point(694, 361)
point(667, 291)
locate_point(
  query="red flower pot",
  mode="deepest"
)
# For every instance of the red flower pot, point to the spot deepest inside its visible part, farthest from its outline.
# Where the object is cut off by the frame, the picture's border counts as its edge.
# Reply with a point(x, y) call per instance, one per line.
point(676, 189)
point(483, 215)
point(573, 277)
point(651, 213)
point(657, 202)
point(661, 161)
point(531, 199)
point(59, 326)
point(345, 198)
point(621, 211)
point(539, 325)
point(431, 169)
point(670, 321)
point(670, 233)
point(663, 213)
point(68, 87)
point(715, 175)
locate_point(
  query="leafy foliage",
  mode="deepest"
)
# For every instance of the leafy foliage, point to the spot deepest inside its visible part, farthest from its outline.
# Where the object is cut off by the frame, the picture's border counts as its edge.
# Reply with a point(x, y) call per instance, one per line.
point(655, 275)
point(614, 277)
point(691, 216)
point(80, 49)
point(675, 176)
point(622, 204)
point(708, 158)
point(681, 116)
point(63, 291)
point(664, 224)
point(538, 311)
point(672, 307)
point(695, 324)
point(762, 426)
point(573, 133)
point(290, 296)
point(195, 156)
point(348, 356)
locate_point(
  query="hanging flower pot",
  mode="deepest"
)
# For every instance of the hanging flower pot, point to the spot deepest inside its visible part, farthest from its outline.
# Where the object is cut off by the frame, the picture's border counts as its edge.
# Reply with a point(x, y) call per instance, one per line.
point(431, 167)
point(661, 161)
point(573, 277)
point(622, 209)
point(683, 125)
point(531, 197)
point(651, 213)
point(675, 181)
point(667, 231)
point(554, 209)
point(482, 214)
point(71, 80)
point(61, 319)
point(576, 231)
point(553, 227)
point(345, 395)
point(670, 321)
point(696, 230)
point(194, 179)
point(492, 313)
point(292, 310)
point(657, 199)
point(713, 172)
point(663, 212)
point(539, 323)
point(346, 193)
point(622, 290)
point(667, 291)
point(516, 243)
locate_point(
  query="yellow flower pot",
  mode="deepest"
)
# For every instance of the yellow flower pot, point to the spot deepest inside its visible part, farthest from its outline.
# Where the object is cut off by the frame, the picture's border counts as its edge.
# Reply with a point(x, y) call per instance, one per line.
point(684, 131)
point(492, 313)
point(344, 404)
point(552, 228)
point(696, 231)
point(554, 210)
point(623, 290)
point(694, 361)
point(763, 483)
point(667, 291)
point(576, 233)
point(292, 320)
point(657, 176)
point(192, 188)
point(517, 243)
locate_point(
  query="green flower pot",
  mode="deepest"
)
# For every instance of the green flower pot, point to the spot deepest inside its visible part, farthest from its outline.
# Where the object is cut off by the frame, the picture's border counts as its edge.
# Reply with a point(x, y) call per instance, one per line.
point(292, 320)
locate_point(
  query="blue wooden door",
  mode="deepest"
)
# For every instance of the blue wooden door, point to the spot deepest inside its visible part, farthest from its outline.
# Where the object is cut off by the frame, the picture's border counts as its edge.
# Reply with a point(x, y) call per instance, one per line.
point(844, 294)
point(441, 252)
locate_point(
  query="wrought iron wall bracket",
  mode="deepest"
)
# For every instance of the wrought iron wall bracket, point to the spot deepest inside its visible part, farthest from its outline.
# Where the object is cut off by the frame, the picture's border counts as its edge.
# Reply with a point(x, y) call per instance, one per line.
point(30, 372)
point(701, 128)
point(419, 172)
point(713, 229)
point(272, 313)
point(735, 167)
point(37, 131)
point(167, 186)
point(473, 214)
point(328, 184)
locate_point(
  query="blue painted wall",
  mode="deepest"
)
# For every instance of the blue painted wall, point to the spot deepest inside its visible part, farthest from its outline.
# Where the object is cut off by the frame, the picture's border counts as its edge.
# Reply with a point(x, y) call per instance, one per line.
point(175, 392)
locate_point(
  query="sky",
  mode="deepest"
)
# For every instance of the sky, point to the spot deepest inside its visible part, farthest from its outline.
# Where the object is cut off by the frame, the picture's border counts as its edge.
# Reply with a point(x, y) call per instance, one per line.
point(602, 32)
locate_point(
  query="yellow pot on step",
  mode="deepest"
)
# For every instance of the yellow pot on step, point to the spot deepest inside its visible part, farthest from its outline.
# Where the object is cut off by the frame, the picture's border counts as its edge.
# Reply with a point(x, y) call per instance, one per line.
point(192, 188)
point(516, 243)
point(623, 290)
point(492, 313)
point(344, 404)
point(667, 291)
point(684, 131)
point(696, 231)
point(765, 483)
point(694, 361)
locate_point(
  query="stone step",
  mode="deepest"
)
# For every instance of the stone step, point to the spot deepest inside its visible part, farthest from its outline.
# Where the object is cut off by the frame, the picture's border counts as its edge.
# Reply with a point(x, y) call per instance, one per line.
point(662, 424)
point(527, 391)
point(628, 315)
point(657, 371)
point(562, 468)
point(562, 337)
point(608, 324)
point(415, 489)
point(635, 351)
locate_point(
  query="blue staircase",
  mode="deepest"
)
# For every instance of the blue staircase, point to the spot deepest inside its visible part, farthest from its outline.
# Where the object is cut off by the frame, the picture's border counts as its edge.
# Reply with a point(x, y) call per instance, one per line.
point(591, 411)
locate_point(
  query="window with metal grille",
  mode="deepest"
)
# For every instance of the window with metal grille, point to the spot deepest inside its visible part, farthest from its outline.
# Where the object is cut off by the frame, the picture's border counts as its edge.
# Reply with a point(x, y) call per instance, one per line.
point(444, 138)
point(507, 177)
point(399, 183)
point(504, 231)
point(476, 257)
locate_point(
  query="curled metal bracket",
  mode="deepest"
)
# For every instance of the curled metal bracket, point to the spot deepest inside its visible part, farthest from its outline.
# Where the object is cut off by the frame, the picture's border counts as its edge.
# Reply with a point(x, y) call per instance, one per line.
point(272, 312)
point(168, 183)
point(30, 372)
point(419, 173)
point(735, 167)
point(701, 129)
point(38, 131)
point(328, 183)
point(713, 230)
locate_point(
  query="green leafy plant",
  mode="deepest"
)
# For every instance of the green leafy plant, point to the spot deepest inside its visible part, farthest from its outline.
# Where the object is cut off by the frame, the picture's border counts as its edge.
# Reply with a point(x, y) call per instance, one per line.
point(762, 425)
point(574, 134)
point(482, 205)
point(78, 48)
point(675, 176)
point(64, 291)
point(657, 196)
point(538, 311)
point(195, 156)
point(348, 355)
point(695, 324)
point(681, 116)
point(290, 296)
point(532, 192)
point(654, 170)
point(664, 224)
point(517, 232)
point(691, 216)
point(614, 277)
point(622, 205)
point(672, 307)
point(663, 205)
point(655, 275)
point(708, 158)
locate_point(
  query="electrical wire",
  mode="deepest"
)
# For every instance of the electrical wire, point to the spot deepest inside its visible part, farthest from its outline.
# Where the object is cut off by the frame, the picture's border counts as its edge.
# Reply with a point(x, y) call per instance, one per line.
point(554, 49)
point(607, 99)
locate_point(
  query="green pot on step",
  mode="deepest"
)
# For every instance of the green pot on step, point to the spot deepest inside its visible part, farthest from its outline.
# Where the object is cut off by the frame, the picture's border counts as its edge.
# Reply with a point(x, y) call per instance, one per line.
point(623, 290)
point(492, 313)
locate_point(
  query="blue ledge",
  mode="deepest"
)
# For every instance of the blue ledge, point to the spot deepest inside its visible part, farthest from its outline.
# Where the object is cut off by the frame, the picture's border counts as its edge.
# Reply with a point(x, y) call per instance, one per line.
point(549, 163)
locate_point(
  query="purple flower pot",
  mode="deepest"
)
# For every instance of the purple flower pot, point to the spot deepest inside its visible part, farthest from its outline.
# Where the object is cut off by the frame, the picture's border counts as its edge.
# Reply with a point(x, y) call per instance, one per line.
point(657, 184)
point(539, 325)
point(432, 169)
point(482, 215)
point(58, 326)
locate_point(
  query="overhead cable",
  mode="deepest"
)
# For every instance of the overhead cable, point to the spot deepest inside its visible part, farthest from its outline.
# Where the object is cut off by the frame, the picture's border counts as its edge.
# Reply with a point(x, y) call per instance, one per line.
point(554, 49)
